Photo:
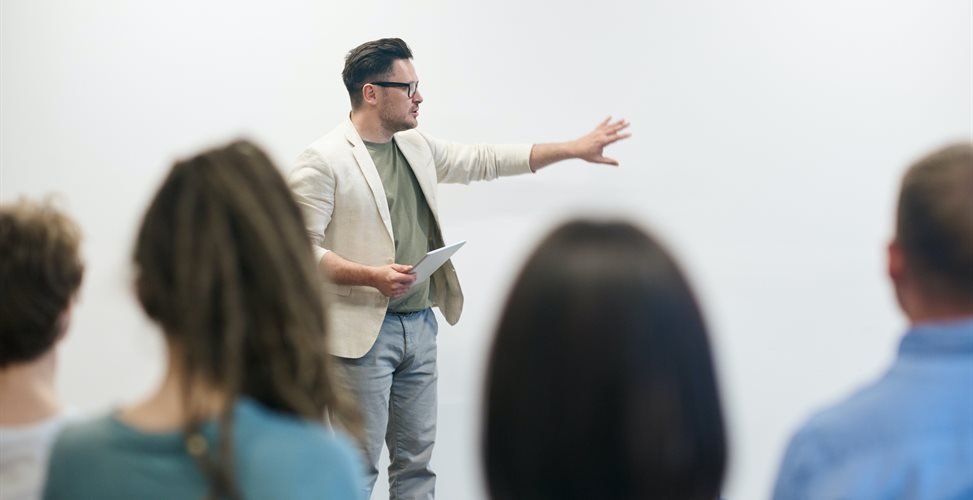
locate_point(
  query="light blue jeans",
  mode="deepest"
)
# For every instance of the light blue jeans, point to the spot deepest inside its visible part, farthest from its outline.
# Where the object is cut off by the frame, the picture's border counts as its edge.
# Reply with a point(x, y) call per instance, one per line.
point(395, 385)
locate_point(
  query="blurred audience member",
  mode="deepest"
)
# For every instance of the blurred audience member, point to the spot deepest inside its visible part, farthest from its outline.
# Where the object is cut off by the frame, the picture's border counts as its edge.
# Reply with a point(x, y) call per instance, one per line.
point(601, 382)
point(40, 273)
point(225, 268)
point(910, 433)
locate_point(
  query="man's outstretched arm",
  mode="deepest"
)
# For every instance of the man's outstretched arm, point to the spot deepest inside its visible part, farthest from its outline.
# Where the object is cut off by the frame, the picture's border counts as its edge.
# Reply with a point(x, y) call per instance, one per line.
point(589, 147)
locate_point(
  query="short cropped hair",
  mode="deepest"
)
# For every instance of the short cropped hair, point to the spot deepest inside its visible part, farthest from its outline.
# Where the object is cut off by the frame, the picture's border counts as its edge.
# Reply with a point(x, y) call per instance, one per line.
point(369, 61)
point(934, 226)
point(40, 272)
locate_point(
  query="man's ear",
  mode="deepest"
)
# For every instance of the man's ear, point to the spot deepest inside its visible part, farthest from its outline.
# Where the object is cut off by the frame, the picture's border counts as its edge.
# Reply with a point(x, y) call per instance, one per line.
point(899, 275)
point(368, 94)
point(896, 262)
point(64, 320)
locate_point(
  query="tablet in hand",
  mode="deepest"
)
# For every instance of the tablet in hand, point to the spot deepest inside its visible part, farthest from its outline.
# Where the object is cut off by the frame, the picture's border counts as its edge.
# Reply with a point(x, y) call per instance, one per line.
point(433, 260)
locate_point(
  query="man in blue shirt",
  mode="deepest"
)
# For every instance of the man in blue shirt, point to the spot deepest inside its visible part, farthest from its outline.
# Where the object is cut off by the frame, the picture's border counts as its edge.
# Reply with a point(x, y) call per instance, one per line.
point(910, 433)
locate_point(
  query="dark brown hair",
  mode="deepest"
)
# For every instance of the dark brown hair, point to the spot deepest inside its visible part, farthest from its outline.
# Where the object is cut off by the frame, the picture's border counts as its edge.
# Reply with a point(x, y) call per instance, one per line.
point(226, 268)
point(369, 61)
point(40, 272)
point(934, 225)
point(600, 382)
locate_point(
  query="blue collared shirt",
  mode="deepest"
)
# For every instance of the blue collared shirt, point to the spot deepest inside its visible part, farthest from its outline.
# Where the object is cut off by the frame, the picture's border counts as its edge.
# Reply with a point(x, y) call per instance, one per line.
point(907, 435)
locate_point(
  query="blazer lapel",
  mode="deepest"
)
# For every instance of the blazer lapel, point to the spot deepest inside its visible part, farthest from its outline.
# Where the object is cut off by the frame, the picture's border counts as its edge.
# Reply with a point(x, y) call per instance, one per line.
point(422, 168)
point(368, 169)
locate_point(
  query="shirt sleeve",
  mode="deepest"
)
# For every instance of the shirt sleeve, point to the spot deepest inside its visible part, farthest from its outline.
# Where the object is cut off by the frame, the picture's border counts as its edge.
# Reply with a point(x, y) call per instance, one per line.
point(313, 184)
point(465, 163)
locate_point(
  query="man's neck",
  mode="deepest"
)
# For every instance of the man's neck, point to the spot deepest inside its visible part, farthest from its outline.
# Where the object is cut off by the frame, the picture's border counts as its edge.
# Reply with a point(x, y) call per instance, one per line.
point(370, 127)
point(947, 316)
point(27, 393)
point(922, 309)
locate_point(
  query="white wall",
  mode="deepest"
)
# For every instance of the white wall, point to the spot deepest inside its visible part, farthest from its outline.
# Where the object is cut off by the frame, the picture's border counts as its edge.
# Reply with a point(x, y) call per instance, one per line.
point(769, 140)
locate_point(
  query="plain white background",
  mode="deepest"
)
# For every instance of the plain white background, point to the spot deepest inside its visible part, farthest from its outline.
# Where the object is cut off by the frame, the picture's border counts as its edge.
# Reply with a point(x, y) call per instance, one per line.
point(769, 138)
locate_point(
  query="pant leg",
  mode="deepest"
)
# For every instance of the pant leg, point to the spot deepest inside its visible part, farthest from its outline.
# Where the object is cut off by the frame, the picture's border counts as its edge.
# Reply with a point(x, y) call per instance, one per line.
point(412, 415)
point(369, 381)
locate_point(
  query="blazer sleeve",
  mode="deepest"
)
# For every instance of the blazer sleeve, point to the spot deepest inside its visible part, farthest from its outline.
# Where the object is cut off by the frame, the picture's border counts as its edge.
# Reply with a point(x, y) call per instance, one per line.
point(313, 185)
point(464, 163)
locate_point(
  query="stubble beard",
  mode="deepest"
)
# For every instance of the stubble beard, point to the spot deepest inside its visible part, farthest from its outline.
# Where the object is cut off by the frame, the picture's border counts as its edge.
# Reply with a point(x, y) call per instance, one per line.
point(397, 124)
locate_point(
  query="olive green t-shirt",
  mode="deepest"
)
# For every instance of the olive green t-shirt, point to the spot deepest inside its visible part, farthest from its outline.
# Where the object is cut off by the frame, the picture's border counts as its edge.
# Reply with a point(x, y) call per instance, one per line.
point(412, 221)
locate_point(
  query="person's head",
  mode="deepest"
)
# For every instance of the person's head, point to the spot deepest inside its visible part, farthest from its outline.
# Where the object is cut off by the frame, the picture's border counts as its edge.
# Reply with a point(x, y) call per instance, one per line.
point(931, 256)
point(600, 381)
point(378, 75)
point(225, 267)
point(40, 272)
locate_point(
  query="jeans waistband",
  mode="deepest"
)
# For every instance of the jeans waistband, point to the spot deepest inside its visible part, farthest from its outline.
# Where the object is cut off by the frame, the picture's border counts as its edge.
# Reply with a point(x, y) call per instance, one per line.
point(406, 313)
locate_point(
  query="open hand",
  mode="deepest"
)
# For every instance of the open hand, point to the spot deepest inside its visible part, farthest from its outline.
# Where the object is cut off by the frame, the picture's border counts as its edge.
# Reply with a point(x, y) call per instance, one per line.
point(591, 147)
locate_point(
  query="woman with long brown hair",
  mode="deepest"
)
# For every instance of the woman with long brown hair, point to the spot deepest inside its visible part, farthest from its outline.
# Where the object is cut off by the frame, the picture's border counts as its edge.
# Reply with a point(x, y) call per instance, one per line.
point(225, 268)
point(601, 381)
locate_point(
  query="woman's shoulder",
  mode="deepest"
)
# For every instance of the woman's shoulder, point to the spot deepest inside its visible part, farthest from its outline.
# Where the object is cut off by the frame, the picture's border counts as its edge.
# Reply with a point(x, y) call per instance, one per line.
point(84, 433)
point(267, 430)
point(276, 450)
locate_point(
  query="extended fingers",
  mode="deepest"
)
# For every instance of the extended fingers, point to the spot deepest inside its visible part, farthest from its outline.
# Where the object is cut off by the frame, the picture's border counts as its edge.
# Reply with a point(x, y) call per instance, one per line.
point(604, 160)
point(612, 132)
point(607, 132)
point(615, 138)
point(612, 126)
point(613, 129)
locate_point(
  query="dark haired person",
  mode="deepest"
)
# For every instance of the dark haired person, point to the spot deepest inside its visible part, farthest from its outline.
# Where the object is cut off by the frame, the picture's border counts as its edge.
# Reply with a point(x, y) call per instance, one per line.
point(224, 267)
point(368, 192)
point(40, 273)
point(909, 434)
point(600, 383)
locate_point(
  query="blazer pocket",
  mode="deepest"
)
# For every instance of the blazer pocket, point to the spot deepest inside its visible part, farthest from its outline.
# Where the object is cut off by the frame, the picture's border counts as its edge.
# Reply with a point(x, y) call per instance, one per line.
point(343, 290)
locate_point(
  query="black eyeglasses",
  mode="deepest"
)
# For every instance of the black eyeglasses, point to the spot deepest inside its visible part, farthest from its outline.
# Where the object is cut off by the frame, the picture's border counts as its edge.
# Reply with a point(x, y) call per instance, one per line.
point(410, 88)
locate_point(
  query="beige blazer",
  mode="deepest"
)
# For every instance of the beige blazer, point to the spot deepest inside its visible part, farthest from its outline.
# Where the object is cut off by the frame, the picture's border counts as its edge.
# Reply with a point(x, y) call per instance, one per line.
point(345, 210)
